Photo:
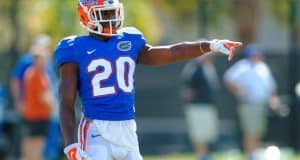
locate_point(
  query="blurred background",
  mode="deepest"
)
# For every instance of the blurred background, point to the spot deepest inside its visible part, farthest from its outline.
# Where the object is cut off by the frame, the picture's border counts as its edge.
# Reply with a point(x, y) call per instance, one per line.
point(162, 128)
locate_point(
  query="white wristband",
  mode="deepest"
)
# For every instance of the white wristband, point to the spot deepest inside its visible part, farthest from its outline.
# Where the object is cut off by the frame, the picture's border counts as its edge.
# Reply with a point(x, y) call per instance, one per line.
point(74, 145)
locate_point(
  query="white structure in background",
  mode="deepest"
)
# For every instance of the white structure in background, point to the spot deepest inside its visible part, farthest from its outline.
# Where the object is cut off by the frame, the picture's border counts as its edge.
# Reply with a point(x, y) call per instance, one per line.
point(297, 89)
point(272, 153)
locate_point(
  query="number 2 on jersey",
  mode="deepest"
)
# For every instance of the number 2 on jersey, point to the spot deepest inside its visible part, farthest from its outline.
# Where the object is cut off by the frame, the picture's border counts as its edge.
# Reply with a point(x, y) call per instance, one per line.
point(120, 64)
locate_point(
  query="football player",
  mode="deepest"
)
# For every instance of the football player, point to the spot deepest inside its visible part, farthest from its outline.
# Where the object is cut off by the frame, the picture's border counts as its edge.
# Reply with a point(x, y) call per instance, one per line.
point(101, 66)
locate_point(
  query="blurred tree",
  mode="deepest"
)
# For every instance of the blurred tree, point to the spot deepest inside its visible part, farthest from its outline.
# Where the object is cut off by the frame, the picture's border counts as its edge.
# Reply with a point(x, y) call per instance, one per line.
point(208, 13)
point(280, 10)
point(56, 18)
point(59, 18)
point(141, 14)
point(244, 15)
point(5, 21)
point(11, 9)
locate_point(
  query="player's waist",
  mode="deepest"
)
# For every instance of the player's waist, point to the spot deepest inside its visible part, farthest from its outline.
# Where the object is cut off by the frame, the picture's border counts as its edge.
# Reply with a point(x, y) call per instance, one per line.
point(113, 123)
point(108, 113)
point(121, 133)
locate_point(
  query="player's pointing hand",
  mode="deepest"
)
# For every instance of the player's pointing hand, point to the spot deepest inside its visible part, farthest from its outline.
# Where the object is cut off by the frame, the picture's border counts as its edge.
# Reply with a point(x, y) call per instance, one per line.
point(224, 46)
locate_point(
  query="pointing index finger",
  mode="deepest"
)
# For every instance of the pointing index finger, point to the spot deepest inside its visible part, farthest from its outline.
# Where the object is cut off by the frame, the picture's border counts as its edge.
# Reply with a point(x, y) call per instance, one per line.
point(234, 44)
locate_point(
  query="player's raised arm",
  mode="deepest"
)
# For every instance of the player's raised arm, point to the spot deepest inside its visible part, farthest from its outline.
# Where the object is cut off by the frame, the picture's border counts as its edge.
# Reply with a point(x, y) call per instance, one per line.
point(161, 55)
point(67, 94)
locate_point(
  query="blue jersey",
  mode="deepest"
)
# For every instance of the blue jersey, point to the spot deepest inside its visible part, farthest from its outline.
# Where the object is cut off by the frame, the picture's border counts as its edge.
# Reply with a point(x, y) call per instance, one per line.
point(105, 72)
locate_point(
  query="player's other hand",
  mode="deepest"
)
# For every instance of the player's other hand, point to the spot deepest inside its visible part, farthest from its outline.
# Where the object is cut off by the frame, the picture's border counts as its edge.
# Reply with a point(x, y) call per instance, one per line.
point(74, 152)
point(224, 46)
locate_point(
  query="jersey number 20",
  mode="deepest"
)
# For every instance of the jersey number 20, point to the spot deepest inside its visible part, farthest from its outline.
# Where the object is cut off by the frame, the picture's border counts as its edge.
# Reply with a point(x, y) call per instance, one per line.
point(122, 75)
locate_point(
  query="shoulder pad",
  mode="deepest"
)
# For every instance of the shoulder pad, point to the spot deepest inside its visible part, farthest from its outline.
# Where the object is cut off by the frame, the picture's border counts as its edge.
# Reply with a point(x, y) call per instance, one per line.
point(130, 30)
point(67, 41)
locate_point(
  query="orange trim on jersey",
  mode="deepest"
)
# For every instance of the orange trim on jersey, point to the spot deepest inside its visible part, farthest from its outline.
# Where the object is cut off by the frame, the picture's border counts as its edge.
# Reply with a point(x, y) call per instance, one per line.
point(83, 133)
point(86, 130)
point(80, 138)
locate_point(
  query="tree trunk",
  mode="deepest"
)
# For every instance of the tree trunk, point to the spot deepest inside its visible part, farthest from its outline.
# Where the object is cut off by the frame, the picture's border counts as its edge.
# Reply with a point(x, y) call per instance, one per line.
point(203, 15)
point(244, 15)
point(12, 50)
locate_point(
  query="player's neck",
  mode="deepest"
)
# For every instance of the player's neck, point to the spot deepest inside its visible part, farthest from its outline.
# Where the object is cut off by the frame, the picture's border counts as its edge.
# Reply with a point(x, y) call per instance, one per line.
point(100, 37)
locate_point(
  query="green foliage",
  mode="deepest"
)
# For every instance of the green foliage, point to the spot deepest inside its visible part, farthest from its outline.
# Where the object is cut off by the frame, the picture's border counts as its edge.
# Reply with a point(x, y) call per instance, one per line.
point(56, 18)
point(4, 29)
point(141, 14)
point(183, 10)
point(217, 10)
point(4, 8)
point(59, 18)
point(280, 10)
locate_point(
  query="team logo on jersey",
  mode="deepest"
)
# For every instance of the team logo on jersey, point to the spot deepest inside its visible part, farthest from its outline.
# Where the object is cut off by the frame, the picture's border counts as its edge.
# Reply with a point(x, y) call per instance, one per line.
point(124, 46)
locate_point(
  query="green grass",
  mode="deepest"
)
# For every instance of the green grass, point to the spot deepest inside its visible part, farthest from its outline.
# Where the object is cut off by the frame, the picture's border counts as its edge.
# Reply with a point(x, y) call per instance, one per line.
point(216, 156)
point(171, 157)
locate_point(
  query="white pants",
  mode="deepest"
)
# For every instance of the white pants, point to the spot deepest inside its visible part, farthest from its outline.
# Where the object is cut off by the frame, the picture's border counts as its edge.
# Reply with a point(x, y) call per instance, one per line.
point(109, 140)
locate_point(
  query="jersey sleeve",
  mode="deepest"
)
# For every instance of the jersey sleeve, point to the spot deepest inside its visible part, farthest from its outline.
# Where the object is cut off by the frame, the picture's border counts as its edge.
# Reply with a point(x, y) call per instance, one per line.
point(65, 52)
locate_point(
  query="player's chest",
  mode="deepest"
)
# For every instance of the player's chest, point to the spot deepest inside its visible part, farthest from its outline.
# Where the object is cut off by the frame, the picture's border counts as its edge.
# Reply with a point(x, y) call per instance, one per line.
point(105, 61)
point(106, 51)
point(108, 69)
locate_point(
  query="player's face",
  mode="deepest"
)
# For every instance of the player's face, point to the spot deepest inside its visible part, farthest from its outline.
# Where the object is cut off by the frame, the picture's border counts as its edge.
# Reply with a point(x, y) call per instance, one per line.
point(106, 15)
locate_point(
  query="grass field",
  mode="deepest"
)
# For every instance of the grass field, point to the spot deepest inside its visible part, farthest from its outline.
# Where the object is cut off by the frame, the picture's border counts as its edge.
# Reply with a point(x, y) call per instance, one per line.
point(216, 156)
